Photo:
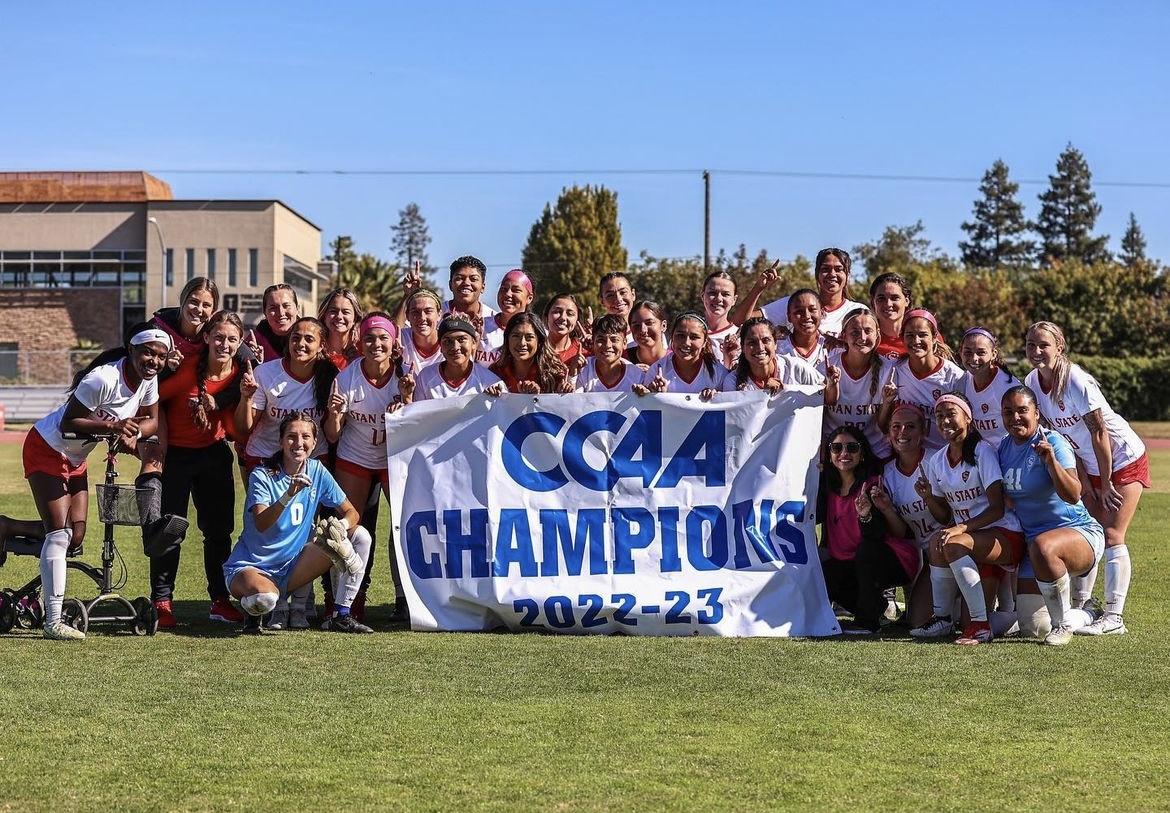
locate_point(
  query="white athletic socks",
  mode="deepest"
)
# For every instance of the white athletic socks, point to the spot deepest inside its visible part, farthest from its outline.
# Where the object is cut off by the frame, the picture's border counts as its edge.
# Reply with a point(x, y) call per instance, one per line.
point(1118, 572)
point(967, 575)
point(345, 585)
point(53, 573)
point(1057, 598)
point(1082, 587)
point(943, 590)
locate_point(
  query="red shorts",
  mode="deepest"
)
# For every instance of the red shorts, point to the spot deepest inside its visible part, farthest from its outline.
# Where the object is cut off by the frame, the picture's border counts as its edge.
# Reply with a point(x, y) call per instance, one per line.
point(1136, 472)
point(41, 458)
point(1015, 542)
point(369, 475)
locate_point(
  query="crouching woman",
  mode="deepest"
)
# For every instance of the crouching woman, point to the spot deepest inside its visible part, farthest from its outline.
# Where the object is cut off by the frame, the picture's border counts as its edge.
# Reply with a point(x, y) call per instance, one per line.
point(274, 554)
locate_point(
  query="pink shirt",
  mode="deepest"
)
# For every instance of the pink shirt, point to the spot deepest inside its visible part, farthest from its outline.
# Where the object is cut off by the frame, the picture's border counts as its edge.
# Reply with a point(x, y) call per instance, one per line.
point(843, 532)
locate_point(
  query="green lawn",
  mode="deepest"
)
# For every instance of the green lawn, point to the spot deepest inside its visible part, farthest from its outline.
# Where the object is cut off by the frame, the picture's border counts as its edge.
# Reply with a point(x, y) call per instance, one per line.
point(204, 720)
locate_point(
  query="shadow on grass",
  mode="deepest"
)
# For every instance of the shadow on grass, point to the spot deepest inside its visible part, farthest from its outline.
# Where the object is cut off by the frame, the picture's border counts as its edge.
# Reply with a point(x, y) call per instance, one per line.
point(193, 622)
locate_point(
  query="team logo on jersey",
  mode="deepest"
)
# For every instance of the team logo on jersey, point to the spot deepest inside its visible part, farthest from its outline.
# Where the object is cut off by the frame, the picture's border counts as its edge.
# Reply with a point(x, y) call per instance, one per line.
point(1061, 405)
point(986, 408)
point(966, 475)
point(935, 394)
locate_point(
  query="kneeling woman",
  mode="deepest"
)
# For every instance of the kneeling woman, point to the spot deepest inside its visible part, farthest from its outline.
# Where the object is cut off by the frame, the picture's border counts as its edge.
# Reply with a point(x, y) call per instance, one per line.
point(861, 559)
point(963, 488)
point(1040, 476)
point(273, 555)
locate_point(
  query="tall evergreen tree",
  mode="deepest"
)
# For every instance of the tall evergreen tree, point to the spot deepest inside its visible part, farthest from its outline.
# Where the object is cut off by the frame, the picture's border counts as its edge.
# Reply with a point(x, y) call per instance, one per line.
point(575, 242)
point(1068, 213)
point(1133, 243)
point(998, 227)
point(411, 238)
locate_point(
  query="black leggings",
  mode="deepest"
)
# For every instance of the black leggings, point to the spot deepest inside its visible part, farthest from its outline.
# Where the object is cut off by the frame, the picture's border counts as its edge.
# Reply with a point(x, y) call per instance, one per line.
point(857, 584)
point(204, 476)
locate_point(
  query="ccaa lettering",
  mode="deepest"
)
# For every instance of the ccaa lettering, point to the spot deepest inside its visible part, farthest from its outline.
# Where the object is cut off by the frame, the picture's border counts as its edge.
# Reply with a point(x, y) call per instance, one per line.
point(638, 453)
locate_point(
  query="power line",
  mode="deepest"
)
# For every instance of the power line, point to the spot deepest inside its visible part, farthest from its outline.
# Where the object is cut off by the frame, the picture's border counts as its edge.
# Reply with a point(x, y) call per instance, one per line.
point(697, 173)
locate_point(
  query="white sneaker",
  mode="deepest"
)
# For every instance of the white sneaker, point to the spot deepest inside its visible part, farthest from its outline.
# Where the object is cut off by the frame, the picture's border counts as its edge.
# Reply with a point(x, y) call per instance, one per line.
point(1108, 624)
point(1059, 636)
point(297, 619)
point(63, 632)
point(277, 619)
point(934, 628)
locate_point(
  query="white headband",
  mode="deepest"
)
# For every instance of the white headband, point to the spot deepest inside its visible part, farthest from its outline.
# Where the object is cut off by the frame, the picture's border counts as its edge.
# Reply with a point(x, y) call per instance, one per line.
point(152, 335)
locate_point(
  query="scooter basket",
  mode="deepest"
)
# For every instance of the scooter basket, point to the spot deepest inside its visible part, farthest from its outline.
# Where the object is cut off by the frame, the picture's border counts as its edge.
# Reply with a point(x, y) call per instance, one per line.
point(118, 504)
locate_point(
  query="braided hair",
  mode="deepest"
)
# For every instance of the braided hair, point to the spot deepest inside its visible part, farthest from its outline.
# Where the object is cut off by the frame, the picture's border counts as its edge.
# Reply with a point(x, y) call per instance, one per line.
point(199, 414)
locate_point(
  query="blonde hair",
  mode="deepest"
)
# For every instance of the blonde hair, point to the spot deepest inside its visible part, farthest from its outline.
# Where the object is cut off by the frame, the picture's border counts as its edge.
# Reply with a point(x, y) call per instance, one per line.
point(875, 358)
point(1061, 366)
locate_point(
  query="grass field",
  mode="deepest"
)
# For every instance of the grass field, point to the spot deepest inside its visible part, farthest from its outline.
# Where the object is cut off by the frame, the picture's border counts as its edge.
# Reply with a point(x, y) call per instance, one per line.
point(308, 721)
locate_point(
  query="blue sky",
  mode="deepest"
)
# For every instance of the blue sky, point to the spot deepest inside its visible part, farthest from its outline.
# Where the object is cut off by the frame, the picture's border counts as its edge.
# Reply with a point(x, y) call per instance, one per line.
point(939, 89)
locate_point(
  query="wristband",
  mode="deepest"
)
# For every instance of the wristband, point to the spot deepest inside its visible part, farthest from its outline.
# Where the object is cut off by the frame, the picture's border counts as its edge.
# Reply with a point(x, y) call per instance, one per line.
point(345, 523)
point(284, 500)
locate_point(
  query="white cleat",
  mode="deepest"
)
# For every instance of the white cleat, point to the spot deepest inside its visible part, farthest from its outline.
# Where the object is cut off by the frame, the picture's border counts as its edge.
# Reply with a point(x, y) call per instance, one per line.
point(1059, 636)
point(63, 632)
point(1108, 624)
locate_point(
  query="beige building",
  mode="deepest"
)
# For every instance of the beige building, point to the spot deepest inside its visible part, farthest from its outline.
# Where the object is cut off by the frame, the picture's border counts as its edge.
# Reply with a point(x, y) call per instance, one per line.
point(83, 255)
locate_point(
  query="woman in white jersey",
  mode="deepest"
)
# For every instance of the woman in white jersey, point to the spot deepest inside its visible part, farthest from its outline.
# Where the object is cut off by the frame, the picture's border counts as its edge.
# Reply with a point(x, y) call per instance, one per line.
point(832, 279)
point(804, 340)
point(691, 365)
point(1072, 402)
point(987, 379)
point(608, 370)
point(514, 296)
point(301, 381)
point(458, 373)
point(926, 373)
point(759, 368)
point(718, 295)
point(647, 327)
point(963, 488)
point(117, 393)
point(420, 341)
point(855, 378)
point(355, 419)
point(902, 507)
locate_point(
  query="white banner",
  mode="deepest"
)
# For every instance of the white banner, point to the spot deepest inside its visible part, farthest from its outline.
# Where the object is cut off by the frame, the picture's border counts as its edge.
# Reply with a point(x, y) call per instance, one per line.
point(654, 515)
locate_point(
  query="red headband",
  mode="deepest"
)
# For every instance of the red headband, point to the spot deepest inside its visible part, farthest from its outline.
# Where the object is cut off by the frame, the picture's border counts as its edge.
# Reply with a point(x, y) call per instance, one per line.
point(372, 322)
point(922, 313)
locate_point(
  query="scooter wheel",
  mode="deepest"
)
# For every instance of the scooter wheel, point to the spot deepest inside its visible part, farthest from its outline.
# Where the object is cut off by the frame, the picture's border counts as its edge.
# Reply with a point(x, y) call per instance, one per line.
point(74, 614)
point(7, 612)
point(146, 618)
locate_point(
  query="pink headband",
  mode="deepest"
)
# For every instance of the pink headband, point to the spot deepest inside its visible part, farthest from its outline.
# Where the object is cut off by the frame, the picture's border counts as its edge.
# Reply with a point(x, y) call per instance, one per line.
point(516, 275)
point(909, 407)
point(948, 398)
point(922, 313)
point(372, 322)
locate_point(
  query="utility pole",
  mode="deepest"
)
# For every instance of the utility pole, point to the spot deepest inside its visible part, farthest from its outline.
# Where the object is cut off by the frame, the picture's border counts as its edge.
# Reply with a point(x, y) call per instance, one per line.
point(706, 222)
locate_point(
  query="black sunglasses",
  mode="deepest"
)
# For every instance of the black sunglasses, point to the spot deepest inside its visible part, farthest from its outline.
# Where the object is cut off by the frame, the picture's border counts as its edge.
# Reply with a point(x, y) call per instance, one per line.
point(853, 447)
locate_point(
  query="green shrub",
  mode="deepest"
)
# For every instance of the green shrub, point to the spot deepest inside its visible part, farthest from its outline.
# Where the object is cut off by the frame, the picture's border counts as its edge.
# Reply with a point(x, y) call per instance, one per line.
point(1138, 389)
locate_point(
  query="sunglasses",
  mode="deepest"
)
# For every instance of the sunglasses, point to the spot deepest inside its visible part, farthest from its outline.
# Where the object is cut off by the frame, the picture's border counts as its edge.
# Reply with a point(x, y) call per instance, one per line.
point(853, 447)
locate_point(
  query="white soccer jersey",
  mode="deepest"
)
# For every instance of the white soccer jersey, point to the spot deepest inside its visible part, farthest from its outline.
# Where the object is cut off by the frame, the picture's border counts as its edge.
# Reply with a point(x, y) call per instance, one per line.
point(947, 377)
point(363, 435)
point(818, 358)
point(431, 384)
point(587, 380)
point(106, 395)
point(986, 404)
point(717, 338)
point(789, 370)
point(280, 393)
point(911, 507)
point(831, 321)
point(1082, 396)
point(704, 380)
point(857, 406)
point(413, 358)
point(964, 487)
point(491, 341)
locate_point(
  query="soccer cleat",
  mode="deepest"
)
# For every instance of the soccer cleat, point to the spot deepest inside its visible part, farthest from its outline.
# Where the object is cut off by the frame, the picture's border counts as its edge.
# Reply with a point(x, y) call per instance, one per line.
point(1059, 636)
point(224, 611)
point(401, 614)
point(976, 632)
point(1094, 608)
point(1108, 624)
point(936, 627)
point(277, 619)
point(298, 619)
point(346, 623)
point(358, 608)
point(166, 614)
point(329, 535)
point(63, 632)
point(252, 625)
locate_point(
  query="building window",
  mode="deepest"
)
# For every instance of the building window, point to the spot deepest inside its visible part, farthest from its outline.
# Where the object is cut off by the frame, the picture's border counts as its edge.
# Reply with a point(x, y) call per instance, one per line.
point(211, 263)
point(253, 267)
point(170, 267)
point(231, 268)
point(190, 264)
point(9, 364)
